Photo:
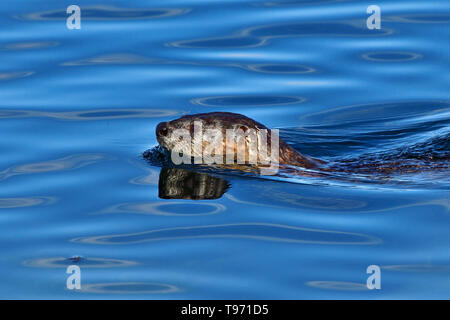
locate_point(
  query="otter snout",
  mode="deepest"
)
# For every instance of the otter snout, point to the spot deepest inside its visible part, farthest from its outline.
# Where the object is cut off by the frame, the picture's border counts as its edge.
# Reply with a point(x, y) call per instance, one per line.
point(162, 129)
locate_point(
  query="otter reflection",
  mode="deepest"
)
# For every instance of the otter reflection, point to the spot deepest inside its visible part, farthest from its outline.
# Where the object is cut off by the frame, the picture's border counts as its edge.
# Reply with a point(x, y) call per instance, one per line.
point(175, 183)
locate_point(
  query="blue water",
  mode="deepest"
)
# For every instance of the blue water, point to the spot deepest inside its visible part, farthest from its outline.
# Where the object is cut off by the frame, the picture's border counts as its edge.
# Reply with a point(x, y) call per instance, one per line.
point(79, 107)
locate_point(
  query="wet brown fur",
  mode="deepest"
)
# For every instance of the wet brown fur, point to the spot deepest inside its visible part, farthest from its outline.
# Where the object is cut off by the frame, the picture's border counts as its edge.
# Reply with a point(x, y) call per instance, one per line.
point(287, 154)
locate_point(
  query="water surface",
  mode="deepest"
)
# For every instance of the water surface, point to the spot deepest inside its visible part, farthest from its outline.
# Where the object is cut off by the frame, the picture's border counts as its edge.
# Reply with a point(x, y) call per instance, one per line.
point(79, 107)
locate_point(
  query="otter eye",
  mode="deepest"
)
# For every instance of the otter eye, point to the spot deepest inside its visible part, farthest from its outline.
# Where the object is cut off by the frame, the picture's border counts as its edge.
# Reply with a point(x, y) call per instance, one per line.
point(162, 129)
point(243, 128)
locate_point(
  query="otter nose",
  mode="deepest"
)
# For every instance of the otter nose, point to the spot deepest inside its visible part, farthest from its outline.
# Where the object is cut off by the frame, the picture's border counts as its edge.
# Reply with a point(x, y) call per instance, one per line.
point(161, 129)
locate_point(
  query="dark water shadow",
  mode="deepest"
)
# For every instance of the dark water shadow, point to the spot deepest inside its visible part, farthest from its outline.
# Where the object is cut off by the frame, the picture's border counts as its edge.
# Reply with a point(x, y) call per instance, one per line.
point(177, 183)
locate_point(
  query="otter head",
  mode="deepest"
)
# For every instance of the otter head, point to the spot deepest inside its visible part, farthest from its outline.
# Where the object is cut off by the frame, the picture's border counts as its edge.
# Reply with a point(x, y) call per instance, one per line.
point(207, 133)
point(166, 131)
point(179, 135)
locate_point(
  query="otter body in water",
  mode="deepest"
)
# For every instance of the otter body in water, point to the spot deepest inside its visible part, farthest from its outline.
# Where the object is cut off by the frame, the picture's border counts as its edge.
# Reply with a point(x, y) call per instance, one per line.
point(386, 164)
point(223, 121)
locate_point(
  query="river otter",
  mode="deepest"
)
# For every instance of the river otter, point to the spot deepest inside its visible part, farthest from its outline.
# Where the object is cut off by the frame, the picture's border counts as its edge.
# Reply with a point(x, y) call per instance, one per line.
point(400, 160)
point(228, 121)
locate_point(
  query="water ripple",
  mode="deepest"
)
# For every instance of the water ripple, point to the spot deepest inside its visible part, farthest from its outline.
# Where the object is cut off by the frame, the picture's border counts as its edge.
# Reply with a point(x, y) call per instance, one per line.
point(289, 3)
point(61, 262)
point(237, 41)
point(418, 268)
point(337, 285)
point(125, 59)
point(247, 100)
point(256, 231)
point(8, 203)
point(367, 113)
point(100, 114)
point(177, 208)
point(259, 35)
point(281, 68)
point(28, 45)
point(391, 56)
point(114, 58)
point(335, 28)
point(67, 163)
point(420, 18)
point(107, 13)
point(15, 75)
point(321, 203)
point(150, 179)
point(129, 288)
